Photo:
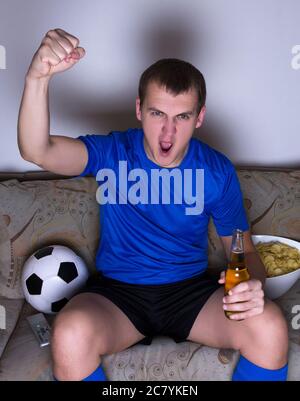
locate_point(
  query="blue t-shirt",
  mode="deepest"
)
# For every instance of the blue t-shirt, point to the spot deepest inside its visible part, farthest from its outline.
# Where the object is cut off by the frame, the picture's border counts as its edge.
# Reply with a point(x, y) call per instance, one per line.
point(149, 240)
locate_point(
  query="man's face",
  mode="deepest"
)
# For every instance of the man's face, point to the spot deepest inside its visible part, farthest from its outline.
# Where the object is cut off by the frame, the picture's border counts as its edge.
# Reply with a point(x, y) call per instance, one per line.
point(168, 122)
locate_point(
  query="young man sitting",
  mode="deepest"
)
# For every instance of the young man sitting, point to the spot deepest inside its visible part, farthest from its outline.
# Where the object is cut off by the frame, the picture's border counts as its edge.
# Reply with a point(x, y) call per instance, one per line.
point(152, 256)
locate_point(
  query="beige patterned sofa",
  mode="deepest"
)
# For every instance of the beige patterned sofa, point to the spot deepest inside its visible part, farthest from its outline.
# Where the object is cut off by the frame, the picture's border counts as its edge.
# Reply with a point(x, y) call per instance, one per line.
point(37, 209)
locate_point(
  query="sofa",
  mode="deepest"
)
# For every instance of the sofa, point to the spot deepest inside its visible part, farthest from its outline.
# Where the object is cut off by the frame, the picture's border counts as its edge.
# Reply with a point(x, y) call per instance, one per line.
point(39, 209)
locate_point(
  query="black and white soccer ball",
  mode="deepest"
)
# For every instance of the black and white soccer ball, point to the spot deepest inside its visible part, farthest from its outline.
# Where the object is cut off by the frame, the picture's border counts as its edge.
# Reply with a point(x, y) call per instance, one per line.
point(52, 276)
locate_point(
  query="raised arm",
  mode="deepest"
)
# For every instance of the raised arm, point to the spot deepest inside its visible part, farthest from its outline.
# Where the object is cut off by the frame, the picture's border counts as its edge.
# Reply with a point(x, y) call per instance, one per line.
point(58, 52)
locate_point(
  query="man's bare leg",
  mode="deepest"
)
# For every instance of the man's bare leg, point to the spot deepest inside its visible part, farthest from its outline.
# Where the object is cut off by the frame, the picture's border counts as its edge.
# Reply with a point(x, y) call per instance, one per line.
point(89, 326)
point(262, 339)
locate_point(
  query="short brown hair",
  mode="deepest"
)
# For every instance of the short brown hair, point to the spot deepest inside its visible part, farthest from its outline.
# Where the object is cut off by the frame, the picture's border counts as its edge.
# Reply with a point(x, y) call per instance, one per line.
point(177, 76)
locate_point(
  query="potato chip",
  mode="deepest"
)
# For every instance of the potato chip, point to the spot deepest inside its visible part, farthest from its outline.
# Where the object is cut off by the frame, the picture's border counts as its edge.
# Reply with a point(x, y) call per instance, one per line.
point(278, 258)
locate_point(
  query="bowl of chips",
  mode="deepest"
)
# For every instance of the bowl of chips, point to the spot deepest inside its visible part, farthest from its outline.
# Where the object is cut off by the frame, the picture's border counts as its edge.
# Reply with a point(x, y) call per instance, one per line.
point(281, 258)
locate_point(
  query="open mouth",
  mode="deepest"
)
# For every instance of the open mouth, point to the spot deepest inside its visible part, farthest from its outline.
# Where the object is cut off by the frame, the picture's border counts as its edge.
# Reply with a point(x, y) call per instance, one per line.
point(165, 147)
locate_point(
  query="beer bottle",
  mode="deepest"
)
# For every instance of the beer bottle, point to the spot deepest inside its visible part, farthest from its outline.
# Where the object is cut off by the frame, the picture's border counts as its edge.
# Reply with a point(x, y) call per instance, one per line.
point(236, 269)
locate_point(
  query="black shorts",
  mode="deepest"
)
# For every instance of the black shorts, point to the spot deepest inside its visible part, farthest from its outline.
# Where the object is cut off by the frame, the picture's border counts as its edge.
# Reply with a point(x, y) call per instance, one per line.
point(160, 309)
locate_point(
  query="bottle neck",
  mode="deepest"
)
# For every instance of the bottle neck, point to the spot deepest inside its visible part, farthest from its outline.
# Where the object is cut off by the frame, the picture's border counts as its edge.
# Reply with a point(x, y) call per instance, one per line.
point(237, 255)
point(237, 245)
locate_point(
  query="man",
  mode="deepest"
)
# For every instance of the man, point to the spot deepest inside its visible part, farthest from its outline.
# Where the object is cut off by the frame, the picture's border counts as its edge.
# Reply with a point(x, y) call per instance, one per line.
point(153, 250)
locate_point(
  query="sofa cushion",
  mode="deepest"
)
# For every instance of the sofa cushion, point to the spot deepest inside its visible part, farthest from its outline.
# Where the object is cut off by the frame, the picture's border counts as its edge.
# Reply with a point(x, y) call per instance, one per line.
point(23, 359)
point(166, 360)
point(38, 213)
point(272, 200)
point(9, 315)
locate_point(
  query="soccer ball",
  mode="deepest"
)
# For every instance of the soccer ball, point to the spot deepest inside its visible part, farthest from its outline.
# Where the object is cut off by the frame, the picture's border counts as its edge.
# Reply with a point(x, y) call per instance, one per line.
point(51, 276)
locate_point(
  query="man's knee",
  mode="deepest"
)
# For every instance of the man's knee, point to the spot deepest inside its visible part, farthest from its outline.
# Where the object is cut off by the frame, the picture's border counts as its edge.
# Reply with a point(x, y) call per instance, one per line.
point(74, 336)
point(76, 347)
point(268, 331)
point(271, 323)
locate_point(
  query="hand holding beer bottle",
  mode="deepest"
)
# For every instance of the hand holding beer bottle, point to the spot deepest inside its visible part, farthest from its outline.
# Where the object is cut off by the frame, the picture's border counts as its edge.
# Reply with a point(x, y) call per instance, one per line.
point(237, 271)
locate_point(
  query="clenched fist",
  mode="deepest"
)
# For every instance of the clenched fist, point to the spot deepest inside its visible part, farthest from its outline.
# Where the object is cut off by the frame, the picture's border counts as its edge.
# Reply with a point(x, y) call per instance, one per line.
point(58, 52)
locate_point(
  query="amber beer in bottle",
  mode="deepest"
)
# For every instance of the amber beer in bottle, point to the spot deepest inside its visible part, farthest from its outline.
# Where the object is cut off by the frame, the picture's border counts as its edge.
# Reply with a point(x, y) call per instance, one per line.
point(236, 269)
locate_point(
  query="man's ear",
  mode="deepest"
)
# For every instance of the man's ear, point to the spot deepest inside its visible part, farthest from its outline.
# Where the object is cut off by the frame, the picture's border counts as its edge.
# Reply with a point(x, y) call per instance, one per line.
point(138, 110)
point(200, 117)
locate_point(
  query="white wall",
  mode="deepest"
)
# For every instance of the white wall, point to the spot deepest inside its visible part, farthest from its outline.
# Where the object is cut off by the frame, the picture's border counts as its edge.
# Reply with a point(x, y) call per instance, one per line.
point(243, 48)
